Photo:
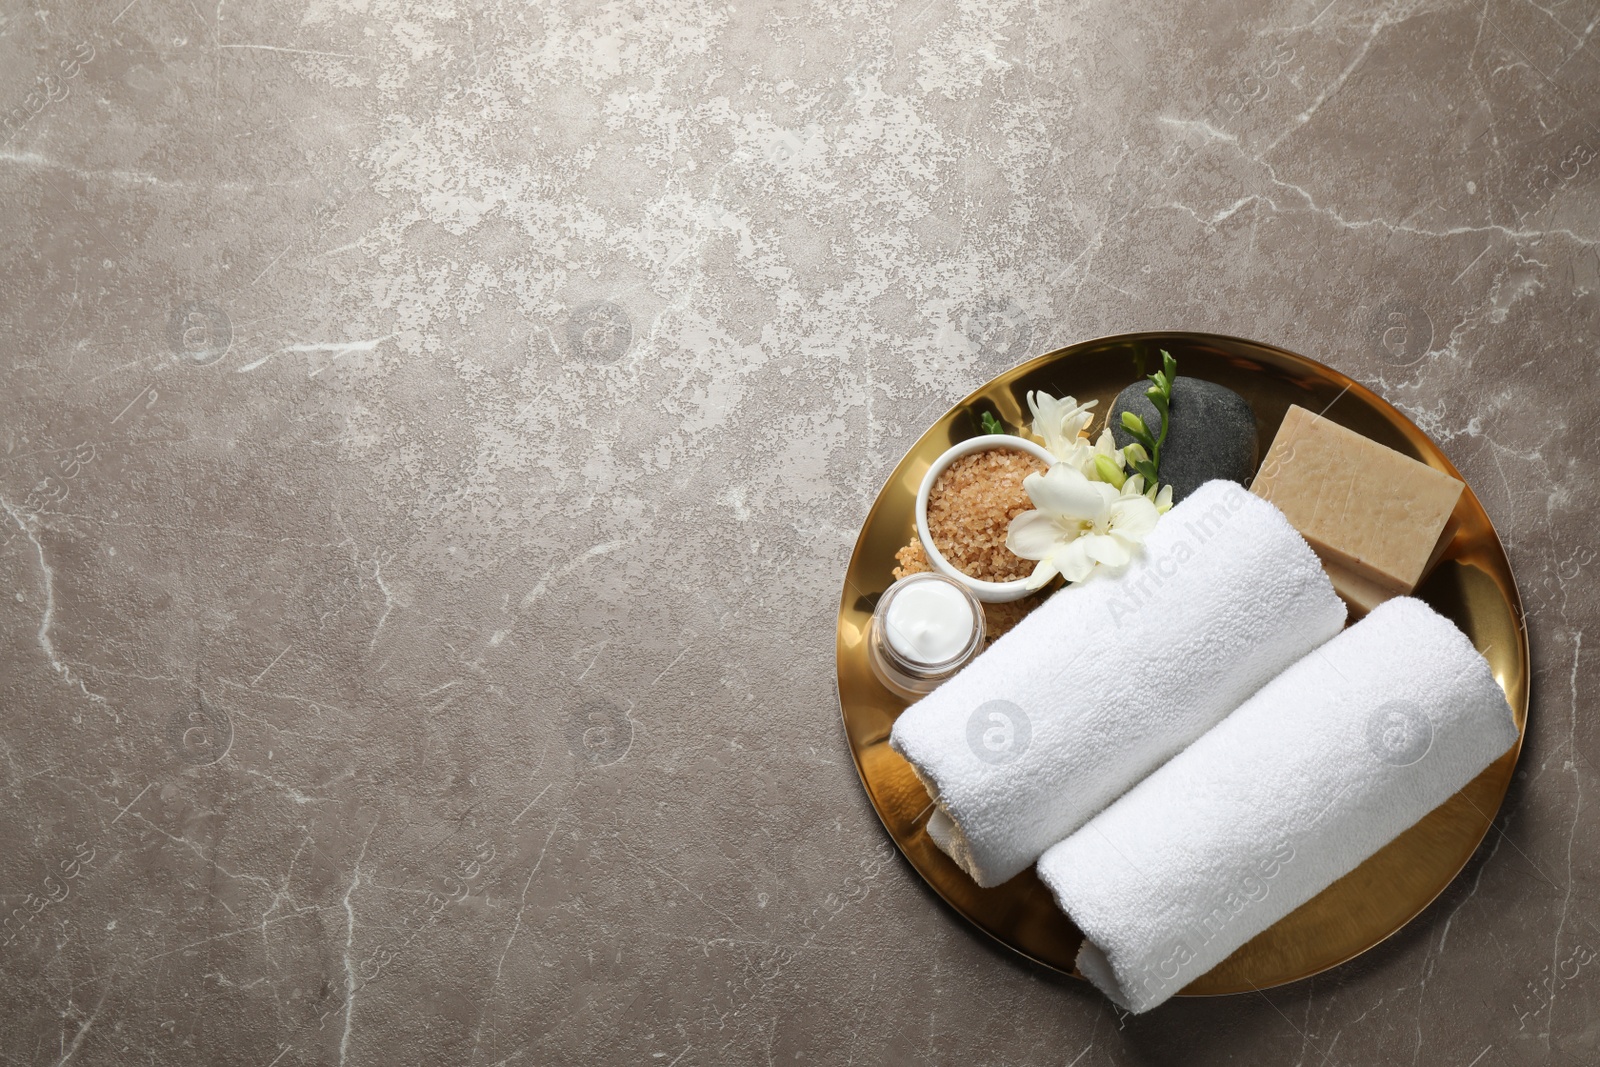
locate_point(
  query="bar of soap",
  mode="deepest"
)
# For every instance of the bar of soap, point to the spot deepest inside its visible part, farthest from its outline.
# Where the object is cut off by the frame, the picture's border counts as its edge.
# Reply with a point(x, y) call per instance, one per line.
point(1377, 519)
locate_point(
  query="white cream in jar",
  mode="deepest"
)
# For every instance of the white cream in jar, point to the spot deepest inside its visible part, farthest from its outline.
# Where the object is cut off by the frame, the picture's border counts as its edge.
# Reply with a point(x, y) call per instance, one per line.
point(925, 628)
point(929, 622)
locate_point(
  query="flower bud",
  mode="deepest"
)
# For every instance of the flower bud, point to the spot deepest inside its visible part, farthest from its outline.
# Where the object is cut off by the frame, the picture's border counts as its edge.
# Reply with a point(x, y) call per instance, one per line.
point(1108, 470)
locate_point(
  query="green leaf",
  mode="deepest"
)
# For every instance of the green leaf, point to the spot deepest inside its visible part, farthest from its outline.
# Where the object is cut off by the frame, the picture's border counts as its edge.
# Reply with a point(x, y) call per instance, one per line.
point(990, 424)
point(1169, 366)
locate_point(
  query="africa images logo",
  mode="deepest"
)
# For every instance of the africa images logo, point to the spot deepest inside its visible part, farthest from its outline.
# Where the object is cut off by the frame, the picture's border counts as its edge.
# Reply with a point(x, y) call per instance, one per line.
point(599, 732)
point(199, 333)
point(998, 732)
point(599, 332)
point(1399, 733)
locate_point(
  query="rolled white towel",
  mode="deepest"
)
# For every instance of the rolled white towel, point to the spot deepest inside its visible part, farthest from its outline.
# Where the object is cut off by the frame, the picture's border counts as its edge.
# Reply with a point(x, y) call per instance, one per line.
point(1329, 762)
point(1110, 678)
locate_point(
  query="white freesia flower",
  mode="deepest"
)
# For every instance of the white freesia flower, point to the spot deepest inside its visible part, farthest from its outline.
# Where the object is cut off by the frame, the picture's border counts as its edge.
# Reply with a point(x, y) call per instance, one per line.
point(1058, 423)
point(1080, 525)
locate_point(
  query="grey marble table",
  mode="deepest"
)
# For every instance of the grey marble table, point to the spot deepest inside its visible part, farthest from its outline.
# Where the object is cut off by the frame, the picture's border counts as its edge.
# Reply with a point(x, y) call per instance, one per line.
point(431, 437)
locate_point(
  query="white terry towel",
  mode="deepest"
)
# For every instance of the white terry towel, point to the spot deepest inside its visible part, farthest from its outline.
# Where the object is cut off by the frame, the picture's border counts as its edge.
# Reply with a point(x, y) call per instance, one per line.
point(1110, 678)
point(1325, 765)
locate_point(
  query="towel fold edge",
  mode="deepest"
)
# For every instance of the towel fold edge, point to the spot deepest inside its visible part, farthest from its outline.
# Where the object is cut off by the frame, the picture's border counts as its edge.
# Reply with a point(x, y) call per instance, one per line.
point(1096, 967)
point(941, 828)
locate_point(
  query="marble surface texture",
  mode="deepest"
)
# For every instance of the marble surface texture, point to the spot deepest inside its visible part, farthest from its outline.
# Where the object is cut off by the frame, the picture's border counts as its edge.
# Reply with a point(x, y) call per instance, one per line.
point(432, 434)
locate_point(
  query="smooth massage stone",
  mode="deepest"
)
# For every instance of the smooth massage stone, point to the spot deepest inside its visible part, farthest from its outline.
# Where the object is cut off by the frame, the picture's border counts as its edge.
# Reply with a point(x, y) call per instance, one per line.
point(1211, 433)
point(1378, 519)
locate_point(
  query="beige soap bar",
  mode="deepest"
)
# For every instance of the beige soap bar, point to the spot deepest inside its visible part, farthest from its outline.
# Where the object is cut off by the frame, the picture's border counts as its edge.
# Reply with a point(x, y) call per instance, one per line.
point(1377, 519)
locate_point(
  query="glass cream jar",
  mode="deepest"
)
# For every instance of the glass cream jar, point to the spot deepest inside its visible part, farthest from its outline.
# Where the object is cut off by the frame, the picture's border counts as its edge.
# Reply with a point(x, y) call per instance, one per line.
point(925, 628)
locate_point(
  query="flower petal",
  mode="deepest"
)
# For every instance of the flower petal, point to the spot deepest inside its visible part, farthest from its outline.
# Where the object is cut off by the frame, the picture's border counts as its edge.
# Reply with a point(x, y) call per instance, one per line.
point(1073, 561)
point(1080, 457)
point(1039, 404)
point(1106, 445)
point(1063, 492)
point(1103, 548)
point(1033, 535)
point(1133, 517)
point(1042, 574)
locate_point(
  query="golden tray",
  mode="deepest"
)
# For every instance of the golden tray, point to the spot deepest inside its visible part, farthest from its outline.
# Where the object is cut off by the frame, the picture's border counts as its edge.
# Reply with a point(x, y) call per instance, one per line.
point(1471, 584)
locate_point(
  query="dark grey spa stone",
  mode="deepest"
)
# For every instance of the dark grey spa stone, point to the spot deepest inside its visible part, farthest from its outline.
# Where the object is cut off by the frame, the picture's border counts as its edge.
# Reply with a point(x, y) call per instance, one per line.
point(1211, 433)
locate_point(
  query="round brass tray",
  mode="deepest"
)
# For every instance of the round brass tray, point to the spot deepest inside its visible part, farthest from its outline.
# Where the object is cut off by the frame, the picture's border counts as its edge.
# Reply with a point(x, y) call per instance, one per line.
point(1472, 584)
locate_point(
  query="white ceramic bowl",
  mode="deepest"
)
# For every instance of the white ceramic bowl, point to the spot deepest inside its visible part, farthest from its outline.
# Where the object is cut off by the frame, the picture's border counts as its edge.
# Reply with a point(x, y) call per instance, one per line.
point(988, 592)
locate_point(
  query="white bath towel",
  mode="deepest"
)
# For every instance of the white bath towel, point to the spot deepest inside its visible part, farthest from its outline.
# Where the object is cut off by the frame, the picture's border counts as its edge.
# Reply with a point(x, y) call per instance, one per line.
point(1329, 762)
point(1110, 678)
